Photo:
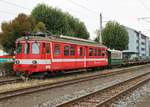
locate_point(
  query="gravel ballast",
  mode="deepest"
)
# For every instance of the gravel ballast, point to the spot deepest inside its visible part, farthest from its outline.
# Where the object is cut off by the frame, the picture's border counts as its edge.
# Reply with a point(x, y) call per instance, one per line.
point(50, 98)
point(138, 98)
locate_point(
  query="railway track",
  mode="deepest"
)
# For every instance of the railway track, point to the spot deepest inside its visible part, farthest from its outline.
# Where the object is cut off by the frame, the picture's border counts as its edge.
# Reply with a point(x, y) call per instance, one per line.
point(105, 97)
point(28, 90)
point(4, 81)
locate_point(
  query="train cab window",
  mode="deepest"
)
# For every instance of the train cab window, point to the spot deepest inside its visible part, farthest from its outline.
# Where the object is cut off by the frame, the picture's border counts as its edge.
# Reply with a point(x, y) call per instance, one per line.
point(103, 53)
point(56, 50)
point(35, 48)
point(19, 48)
point(99, 52)
point(43, 48)
point(66, 50)
point(90, 52)
point(47, 47)
point(72, 51)
point(95, 52)
point(80, 51)
point(26, 48)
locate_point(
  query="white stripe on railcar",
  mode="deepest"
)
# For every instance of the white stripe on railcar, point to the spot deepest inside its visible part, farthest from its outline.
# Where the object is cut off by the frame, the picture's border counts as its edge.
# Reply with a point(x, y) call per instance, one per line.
point(48, 61)
point(29, 61)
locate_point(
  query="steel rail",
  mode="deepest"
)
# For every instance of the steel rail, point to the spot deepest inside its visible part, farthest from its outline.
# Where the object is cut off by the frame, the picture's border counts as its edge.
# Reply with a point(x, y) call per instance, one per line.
point(42, 87)
point(102, 98)
point(10, 81)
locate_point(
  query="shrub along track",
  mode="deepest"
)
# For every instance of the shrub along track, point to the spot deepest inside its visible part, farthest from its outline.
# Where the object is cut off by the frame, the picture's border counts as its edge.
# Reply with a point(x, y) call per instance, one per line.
point(105, 97)
point(42, 87)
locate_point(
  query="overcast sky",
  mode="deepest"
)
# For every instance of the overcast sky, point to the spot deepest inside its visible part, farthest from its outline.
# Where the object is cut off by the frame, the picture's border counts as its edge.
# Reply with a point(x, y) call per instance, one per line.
point(125, 12)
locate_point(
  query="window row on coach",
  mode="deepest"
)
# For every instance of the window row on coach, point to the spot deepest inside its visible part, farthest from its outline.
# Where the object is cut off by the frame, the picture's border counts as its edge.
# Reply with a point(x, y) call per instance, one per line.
point(59, 49)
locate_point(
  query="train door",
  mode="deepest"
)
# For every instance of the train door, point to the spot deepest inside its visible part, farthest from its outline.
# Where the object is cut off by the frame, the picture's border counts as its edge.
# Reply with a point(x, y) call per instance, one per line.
point(57, 56)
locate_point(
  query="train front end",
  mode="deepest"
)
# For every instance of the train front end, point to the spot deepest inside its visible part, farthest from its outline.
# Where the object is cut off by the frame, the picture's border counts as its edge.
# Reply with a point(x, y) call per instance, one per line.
point(32, 55)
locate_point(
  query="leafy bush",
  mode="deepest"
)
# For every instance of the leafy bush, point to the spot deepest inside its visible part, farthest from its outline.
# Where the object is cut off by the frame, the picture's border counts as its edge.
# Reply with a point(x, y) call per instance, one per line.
point(6, 68)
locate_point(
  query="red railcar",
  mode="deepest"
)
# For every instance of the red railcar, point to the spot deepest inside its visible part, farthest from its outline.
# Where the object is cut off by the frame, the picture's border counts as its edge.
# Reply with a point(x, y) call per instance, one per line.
point(37, 54)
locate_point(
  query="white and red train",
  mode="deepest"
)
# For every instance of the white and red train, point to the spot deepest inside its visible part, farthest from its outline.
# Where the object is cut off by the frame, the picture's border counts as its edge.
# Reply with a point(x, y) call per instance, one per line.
point(51, 54)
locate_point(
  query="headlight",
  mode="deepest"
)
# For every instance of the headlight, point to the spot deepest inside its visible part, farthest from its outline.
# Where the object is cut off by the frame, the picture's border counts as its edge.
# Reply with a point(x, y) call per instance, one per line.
point(34, 62)
point(17, 61)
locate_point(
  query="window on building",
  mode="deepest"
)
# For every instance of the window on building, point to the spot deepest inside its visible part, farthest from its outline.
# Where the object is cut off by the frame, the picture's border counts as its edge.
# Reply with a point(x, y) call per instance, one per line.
point(143, 37)
point(26, 48)
point(143, 49)
point(72, 51)
point(56, 49)
point(137, 35)
point(137, 41)
point(35, 48)
point(19, 48)
point(99, 52)
point(142, 43)
point(66, 50)
point(90, 52)
point(47, 48)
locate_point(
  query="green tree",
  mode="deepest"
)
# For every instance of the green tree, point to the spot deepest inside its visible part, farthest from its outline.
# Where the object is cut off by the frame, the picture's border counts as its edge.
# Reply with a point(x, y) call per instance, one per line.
point(59, 22)
point(40, 27)
point(115, 36)
point(15, 29)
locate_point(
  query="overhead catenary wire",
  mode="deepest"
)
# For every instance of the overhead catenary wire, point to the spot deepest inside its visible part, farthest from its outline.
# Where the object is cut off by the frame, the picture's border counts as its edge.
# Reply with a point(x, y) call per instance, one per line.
point(86, 8)
point(83, 7)
point(6, 12)
point(14, 4)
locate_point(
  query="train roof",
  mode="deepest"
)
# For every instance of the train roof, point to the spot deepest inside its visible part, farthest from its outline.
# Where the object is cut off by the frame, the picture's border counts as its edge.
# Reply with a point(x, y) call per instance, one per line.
point(64, 39)
point(115, 51)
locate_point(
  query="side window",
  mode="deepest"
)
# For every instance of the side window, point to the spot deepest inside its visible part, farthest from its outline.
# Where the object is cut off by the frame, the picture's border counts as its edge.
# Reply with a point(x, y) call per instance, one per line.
point(43, 48)
point(72, 51)
point(56, 50)
point(90, 52)
point(103, 52)
point(66, 50)
point(106, 52)
point(84, 51)
point(35, 48)
point(19, 48)
point(47, 48)
point(95, 52)
point(99, 52)
point(80, 51)
point(26, 48)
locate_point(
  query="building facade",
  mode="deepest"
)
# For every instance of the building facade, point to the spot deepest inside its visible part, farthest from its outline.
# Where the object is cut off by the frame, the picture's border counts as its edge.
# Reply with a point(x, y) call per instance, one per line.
point(138, 45)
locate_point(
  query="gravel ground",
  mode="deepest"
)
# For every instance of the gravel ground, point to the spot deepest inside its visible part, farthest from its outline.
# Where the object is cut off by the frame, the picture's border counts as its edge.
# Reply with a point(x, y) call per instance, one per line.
point(138, 98)
point(15, 86)
point(35, 82)
point(50, 98)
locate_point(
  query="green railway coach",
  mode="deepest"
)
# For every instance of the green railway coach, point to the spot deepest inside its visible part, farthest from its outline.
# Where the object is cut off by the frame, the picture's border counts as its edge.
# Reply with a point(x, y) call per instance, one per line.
point(115, 58)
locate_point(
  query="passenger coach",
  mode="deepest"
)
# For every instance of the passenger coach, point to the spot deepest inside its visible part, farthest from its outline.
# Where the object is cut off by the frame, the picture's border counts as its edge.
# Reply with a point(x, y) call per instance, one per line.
point(51, 54)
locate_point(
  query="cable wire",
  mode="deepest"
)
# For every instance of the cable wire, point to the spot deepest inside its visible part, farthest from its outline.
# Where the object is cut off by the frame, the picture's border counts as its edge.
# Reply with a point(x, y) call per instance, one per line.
point(6, 12)
point(81, 6)
point(14, 4)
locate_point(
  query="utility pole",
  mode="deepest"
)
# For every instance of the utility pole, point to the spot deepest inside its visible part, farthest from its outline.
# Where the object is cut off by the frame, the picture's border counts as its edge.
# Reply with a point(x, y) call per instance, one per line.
point(100, 30)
